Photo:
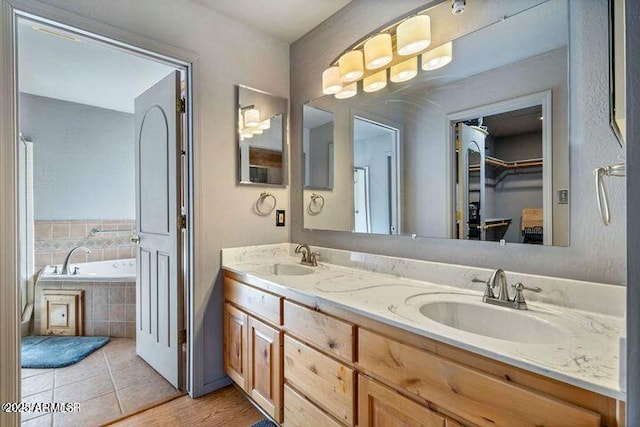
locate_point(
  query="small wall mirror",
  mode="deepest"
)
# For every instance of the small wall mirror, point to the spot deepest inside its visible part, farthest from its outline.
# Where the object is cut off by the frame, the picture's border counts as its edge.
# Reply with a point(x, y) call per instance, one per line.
point(261, 137)
point(317, 146)
point(617, 67)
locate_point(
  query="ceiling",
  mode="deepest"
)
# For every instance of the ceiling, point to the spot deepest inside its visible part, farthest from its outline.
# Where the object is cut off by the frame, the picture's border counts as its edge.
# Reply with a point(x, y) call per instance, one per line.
point(82, 70)
point(314, 117)
point(286, 20)
point(364, 129)
point(517, 122)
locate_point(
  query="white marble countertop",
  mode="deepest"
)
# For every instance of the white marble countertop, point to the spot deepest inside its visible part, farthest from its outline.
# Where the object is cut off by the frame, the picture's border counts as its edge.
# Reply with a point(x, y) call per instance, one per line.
point(584, 351)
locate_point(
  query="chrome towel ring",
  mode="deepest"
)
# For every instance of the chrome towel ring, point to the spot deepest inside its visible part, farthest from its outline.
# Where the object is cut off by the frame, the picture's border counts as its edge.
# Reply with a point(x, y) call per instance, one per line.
point(316, 204)
point(260, 204)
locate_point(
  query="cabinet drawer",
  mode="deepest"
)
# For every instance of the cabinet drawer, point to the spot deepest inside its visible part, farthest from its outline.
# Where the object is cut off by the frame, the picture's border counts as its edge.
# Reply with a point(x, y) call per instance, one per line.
point(379, 405)
point(262, 304)
point(480, 398)
point(328, 383)
point(327, 333)
point(299, 412)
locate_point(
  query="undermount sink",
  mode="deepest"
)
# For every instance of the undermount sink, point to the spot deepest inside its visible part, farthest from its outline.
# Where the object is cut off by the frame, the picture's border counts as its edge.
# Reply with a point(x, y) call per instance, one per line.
point(494, 322)
point(284, 269)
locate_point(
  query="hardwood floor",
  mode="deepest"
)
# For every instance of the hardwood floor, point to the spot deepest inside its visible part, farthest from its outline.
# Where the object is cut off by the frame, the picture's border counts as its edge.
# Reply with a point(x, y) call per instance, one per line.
point(225, 407)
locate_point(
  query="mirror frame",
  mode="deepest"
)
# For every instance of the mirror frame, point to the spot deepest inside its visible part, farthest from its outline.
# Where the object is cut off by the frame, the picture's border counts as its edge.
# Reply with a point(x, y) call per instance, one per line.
point(616, 87)
point(285, 139)
point(310, 187)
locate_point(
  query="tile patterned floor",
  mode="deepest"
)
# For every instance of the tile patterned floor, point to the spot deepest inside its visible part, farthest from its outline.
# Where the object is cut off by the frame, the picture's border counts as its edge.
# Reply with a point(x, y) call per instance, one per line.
point(111, 382)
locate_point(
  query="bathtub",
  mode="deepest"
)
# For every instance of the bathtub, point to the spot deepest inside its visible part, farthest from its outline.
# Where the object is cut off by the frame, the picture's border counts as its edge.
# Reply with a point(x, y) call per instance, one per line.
point(120, 270)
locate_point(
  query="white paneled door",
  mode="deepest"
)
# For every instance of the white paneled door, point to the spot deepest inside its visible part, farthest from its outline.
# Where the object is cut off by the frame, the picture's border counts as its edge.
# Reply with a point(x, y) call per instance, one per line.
point(159, 302)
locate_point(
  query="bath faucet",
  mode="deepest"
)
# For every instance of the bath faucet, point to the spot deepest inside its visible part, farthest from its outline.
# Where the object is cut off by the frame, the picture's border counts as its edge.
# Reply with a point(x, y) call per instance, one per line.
point(65, 266)
point(499, 279)
point(308, 257)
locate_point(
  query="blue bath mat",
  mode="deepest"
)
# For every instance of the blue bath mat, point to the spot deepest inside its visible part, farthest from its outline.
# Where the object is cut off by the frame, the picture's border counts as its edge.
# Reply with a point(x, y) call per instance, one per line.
point(264, 423)
point(58, 352)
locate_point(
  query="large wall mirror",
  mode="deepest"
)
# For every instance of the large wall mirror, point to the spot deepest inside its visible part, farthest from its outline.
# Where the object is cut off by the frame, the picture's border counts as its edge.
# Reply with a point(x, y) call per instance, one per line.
point(261, 137)
point(476, 150)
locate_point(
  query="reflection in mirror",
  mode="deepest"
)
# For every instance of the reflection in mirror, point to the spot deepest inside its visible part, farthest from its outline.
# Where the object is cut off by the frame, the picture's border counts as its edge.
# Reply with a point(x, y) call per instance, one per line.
point(500, 177)
point(375, 156)
point(317, 143)
point(261, 134)
point(498, 71)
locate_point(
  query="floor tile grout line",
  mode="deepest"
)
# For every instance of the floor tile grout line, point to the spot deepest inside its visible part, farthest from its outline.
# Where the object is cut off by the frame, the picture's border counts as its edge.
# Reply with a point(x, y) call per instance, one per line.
point(113, 382)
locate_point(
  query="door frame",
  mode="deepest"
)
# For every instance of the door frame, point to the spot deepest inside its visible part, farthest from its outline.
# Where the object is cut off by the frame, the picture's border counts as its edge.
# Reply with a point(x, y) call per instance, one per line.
point(397, 194)
point(542, 98)
point(10, 11)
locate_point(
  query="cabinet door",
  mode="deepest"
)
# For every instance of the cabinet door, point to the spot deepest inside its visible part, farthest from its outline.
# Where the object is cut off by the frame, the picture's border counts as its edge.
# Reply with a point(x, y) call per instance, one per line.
point(265, 367)
point(235, 345)
point(381, 406)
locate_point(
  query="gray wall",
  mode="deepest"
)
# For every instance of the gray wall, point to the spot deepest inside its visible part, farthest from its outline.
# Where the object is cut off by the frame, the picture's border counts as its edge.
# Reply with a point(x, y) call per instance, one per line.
point(83, 159)
point(633, 207)
point(595, 253)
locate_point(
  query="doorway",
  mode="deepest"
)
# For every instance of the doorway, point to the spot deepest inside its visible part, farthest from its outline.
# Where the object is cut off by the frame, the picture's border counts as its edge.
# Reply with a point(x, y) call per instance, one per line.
point(376, 177)
point(104, 193)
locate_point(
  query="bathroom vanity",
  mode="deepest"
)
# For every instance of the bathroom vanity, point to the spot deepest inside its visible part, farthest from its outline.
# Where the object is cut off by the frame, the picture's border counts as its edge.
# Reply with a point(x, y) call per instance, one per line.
point(369, 340)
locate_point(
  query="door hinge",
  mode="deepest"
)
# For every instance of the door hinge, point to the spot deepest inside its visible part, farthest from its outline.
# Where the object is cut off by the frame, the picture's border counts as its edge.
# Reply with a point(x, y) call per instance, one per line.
point(182, 337)
point(181, 105)
point(182, 221)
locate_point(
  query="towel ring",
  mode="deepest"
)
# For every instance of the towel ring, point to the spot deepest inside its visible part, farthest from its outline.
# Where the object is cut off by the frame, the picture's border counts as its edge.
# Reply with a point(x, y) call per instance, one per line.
point(261, 198)
point(315, 198)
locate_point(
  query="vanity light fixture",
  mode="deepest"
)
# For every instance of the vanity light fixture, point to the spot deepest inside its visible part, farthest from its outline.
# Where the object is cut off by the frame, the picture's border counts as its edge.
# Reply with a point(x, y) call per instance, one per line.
point(252, 117)
point(265, 124)
point(378, 51)
point(351, 66)
point(256, 131)
point(245, 133)
point(405, 70)
point(437, 57)
point(396, 46)
point(348, 91)
point(331, 83)
point(375, 82)
point(413, 35)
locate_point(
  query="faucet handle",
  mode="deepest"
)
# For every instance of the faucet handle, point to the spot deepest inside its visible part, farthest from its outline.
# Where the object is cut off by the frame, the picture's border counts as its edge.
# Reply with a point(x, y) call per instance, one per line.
point(488, 292)
point(518, 298)
point(519, 287)
point(313, 258)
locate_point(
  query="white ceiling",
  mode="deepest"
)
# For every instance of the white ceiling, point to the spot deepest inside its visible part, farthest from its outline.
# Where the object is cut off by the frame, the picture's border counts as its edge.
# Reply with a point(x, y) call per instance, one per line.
point(287, 20)
point(83, 71)
point(314, 117)
point(363, 129)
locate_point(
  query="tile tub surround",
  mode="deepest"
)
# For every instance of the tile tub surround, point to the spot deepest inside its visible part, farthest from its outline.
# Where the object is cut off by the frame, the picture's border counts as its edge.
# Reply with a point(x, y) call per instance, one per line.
point(109, 307)
point(391, 290)
point(54, 239)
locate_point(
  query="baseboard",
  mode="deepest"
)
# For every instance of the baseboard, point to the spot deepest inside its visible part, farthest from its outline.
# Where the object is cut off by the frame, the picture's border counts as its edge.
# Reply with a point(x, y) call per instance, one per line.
point(213, 386)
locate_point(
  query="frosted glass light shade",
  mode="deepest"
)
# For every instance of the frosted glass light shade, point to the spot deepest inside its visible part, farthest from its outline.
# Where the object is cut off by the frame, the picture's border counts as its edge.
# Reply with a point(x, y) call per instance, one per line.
point(413, 35)
point(375, 82)
point(246, 133)
point(351, 66)
point(438, 57)
point(348, 91)
point(378, 51)
point(265, 124)
point(405, 70)
point(256, 131)
point(252, 117)
point(331, 82)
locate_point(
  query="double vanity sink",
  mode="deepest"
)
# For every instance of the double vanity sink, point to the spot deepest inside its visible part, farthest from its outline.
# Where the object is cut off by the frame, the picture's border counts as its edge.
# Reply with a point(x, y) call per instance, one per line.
point(568, 340)
point(468, 314)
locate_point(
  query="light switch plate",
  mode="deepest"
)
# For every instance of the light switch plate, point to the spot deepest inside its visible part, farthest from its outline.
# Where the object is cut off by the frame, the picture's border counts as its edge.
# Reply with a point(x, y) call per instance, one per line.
point(280, 218)
point(563, 196)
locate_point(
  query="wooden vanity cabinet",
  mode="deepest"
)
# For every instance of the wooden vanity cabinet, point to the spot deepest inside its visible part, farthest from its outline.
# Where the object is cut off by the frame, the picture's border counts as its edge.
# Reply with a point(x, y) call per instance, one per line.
point(253, 344)
point(329, 367)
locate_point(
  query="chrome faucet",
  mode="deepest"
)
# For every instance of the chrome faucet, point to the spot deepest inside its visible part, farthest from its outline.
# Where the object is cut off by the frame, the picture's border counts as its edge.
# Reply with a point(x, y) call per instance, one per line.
point(65, 266)
point(308, 257)
point(499, 279)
